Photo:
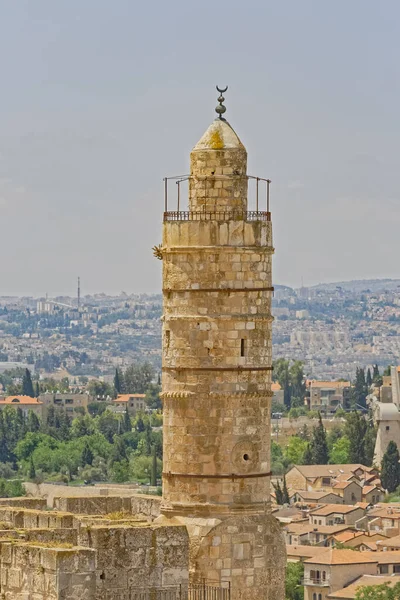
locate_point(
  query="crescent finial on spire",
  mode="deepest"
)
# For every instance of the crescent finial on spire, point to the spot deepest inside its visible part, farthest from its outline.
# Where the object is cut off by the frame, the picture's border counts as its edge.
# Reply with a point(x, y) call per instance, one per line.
point(221, 109)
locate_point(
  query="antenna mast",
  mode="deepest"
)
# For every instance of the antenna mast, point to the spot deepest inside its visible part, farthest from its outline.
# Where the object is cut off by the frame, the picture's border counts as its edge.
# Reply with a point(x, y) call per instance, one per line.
point(79, 293)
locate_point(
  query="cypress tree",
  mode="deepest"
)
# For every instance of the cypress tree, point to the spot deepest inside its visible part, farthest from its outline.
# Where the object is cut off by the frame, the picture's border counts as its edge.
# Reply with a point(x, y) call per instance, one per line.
point(375, 372)
point(355, 429)
point(117, 381)
point(37, 390)
point(27, 385)
point(308, 457)
point(127, 423)
point(319, 445)
point(32, 470)
point(278, 493)
point(33, 423)
point(390, 470)
point(87, 456)
point(285, 492)
point(369, 378)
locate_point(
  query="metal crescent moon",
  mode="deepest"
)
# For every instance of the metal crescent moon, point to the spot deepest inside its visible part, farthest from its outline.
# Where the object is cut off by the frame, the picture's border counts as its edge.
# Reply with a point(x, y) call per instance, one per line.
point(221, 91)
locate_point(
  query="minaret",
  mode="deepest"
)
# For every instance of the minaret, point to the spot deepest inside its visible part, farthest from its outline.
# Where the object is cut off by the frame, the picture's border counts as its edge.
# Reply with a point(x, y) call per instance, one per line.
point(217, 363)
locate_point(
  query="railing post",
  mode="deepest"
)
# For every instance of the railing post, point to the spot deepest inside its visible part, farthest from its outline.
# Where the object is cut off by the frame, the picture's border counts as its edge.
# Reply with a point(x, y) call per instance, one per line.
point(257, 180)
point(165, 194)
point(178, 183)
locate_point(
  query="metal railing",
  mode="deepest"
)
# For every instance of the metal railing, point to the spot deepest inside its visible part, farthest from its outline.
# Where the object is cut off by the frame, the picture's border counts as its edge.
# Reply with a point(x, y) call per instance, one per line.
point(207, 179)
point(232, 215)
point(316, 581)
point(196, 591)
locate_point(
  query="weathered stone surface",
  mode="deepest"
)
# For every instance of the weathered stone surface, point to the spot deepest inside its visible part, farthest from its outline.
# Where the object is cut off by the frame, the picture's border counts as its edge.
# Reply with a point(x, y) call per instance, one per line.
point(217, 361)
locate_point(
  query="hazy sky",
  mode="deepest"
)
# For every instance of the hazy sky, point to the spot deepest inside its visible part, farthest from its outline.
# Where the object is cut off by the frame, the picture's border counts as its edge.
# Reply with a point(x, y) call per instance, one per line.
point(100, 99)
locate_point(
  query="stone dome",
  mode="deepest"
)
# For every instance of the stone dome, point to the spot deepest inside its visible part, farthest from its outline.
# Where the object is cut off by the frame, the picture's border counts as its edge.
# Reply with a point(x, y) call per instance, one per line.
point(219, 136)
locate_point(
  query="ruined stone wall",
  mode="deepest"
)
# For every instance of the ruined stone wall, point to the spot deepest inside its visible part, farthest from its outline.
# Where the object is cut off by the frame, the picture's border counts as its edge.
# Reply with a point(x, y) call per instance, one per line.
point(50, 491)
point(35, 503)
point(145, 506)
point(137, 556)
point(31, 571)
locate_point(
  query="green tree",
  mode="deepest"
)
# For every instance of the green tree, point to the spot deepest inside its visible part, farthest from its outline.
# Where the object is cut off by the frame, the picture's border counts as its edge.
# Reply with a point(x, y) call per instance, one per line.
point(282, 376)
point(32, 470)
point(293, 582)
point(390, 469)
point(37, 390)
point(33, 423)
point(285, 492)
point(308, 456)
point(294, 452)
point(360, 389)
point(278, 493)
point(153, 396)
point(339, 454)
point(369, 378)
point(27, 385)
point(108, 425)
point(355, 430)
point(378, 592)
point(369, 443)
point(126, 423)
point(318, 444)
point(388, 371)
point(87, 455)
point(297, 383)
point(137, 378)
point(118, 381)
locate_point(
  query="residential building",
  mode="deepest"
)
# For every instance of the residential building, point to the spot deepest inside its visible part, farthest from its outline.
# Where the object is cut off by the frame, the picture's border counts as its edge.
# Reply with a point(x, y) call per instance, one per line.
point(389, 562)
point(333, 569)
point(314, 497)
point(130, 402)
point(327, 396)
point(324, 477)
point(25, 403)
point(69, 402)
point(336, 514)
point(350, 491)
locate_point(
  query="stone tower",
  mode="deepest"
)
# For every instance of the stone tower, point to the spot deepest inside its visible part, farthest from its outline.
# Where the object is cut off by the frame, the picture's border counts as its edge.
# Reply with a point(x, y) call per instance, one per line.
point(217, 362)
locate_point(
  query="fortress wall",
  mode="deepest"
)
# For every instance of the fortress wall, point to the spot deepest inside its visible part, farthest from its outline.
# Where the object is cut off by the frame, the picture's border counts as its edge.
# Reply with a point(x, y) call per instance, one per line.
point(30, 571)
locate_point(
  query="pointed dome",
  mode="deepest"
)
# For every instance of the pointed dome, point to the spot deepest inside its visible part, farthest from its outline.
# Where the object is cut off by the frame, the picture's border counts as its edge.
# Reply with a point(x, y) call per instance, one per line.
point(219, 136)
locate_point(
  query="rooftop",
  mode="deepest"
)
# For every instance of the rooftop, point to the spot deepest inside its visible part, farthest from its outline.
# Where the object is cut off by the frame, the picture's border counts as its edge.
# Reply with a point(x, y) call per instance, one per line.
point(328, 509)
point(365, 580)
point(20, 400)
point(342, 557)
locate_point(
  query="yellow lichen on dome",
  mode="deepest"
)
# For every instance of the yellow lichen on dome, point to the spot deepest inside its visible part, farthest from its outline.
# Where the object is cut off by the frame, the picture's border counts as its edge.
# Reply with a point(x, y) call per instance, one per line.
point(215, 140)
point(219, 136)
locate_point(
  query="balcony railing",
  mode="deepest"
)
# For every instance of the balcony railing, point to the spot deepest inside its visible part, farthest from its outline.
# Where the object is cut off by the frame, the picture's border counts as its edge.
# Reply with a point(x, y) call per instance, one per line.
point(254, 190)
point(316, 581)
point(232, 215)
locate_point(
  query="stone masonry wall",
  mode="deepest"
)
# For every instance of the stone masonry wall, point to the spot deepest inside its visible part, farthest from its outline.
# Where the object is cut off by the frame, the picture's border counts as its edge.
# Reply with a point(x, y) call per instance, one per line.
point(31, 571)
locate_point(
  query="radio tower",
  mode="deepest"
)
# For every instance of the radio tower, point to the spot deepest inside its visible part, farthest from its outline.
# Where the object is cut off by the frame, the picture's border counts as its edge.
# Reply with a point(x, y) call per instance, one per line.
point(79, 293)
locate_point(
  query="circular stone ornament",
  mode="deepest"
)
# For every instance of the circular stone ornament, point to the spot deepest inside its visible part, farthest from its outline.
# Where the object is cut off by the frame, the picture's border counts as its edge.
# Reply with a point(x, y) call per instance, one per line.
point(244, 456)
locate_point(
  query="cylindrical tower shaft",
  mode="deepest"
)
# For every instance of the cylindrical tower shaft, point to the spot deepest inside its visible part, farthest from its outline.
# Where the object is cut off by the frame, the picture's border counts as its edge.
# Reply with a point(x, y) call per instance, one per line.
point(217, 362)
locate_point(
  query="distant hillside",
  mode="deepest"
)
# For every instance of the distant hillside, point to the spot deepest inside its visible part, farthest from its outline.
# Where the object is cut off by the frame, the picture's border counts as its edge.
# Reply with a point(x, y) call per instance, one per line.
point(360, 285)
